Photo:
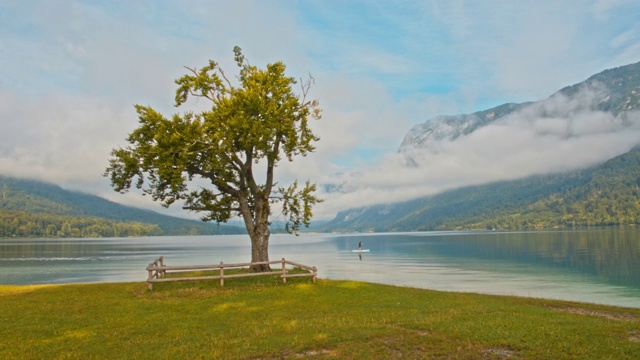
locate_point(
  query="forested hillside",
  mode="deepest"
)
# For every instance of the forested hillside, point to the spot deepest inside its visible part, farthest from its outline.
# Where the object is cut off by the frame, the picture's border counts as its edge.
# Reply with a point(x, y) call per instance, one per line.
point(608, 194)
point(35, 209)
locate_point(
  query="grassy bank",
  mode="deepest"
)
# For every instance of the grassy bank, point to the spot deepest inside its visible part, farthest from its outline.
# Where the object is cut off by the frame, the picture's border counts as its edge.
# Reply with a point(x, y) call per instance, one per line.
point(257, 319)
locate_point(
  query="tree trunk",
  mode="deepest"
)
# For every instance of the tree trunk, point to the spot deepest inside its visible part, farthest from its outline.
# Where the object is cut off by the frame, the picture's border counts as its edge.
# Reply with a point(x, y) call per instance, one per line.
point(260, 247)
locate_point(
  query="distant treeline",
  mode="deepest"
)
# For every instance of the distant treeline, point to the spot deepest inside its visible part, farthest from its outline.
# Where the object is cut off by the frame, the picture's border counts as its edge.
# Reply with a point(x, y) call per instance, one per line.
point(22, 224)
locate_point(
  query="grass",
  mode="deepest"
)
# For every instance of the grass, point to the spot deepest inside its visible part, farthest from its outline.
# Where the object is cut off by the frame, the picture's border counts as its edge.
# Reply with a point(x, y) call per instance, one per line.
point(262, 318)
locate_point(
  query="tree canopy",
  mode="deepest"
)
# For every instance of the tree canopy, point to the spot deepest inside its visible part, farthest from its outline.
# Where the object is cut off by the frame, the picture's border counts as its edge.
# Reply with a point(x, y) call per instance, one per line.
point(258, 119)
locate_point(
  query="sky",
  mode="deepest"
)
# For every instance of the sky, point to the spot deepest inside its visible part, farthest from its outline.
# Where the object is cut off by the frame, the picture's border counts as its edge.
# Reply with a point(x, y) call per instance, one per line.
point(71, 72)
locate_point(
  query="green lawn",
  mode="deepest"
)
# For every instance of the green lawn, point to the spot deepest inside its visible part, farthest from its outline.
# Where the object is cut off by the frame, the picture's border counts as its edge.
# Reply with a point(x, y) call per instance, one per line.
point(262, 318)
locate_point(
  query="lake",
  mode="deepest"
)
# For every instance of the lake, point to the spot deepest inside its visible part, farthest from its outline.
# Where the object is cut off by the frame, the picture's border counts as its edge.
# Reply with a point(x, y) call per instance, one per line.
point(600, 265)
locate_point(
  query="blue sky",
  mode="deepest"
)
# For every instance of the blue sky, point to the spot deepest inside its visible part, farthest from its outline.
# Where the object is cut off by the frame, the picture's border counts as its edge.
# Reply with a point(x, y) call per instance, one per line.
point(71, 71)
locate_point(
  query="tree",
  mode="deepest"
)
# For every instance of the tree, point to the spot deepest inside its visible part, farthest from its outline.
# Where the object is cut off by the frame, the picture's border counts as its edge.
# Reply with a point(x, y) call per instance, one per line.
point(249, 126)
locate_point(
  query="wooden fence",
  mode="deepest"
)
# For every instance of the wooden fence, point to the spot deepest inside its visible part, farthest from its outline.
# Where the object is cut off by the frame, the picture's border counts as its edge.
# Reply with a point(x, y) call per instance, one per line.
point(158, 270)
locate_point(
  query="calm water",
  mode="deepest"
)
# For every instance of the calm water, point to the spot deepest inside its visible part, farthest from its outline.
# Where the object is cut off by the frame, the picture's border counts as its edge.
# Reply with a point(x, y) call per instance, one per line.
point(599, 266)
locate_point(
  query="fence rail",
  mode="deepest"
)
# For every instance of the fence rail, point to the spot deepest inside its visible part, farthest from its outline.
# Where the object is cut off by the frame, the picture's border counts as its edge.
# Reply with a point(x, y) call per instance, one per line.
point(158, 271)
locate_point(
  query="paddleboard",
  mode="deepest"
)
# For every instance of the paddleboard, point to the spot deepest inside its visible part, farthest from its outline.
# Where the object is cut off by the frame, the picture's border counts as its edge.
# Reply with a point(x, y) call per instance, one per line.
point(363, 250)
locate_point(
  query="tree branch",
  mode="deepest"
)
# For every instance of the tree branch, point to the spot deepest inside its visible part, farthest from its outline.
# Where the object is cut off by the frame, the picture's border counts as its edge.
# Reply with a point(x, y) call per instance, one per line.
point(224, 76)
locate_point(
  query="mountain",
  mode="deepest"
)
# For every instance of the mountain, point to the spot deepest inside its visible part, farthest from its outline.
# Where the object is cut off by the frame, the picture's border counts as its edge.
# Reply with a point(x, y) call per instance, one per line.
point(606, 194)
point(450, 127)
point(34, 208)
point(603, 195)
point(615, 91)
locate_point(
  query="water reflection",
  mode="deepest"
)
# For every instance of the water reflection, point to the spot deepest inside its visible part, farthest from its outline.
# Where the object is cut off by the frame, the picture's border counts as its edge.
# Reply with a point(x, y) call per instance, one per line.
point(612, 254)
point(601, 265)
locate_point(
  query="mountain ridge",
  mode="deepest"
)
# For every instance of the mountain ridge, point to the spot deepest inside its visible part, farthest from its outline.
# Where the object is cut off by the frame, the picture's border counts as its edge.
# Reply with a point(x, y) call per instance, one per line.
point(44, 204)
point(613, 91)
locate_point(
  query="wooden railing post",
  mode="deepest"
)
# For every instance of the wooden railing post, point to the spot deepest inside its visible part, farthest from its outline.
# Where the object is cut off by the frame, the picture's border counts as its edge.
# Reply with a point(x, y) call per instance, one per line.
point(150, 277)
point(162, 272)
point(315, 272)
point(221, 273)
point(284, 271)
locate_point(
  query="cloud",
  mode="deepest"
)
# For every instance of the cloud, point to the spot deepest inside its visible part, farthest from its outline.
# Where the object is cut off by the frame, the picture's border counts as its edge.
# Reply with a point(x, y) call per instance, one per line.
point(59, 139)
point(73, 69)
point(555, 135)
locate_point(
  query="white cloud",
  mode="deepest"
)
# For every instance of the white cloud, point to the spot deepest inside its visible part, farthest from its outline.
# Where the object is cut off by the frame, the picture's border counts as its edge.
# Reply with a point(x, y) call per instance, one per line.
point(72, 71)
point(59, 139)
point(601, 9)
point(555, 135)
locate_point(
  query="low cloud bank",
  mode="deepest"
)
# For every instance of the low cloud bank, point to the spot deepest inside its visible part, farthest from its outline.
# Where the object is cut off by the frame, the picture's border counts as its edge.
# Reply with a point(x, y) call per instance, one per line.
point(555, 135)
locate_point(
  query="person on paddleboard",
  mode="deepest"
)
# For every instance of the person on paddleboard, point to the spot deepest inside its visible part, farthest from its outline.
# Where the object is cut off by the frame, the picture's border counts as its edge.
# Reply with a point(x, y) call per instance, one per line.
point(360, 245)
